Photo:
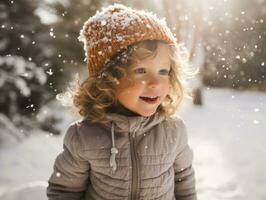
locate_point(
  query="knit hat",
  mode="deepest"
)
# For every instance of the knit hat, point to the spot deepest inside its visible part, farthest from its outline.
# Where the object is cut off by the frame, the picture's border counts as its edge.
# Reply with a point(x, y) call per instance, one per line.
point(114, 28)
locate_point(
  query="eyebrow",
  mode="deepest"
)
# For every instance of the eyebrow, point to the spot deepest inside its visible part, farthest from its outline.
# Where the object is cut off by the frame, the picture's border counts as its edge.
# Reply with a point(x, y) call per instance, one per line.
point(167, 66)
point(143, 66)
point(164, 64)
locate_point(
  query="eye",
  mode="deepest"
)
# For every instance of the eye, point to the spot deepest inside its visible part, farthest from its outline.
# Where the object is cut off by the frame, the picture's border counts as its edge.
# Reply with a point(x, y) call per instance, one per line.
point(140, 71)
point(164, 72)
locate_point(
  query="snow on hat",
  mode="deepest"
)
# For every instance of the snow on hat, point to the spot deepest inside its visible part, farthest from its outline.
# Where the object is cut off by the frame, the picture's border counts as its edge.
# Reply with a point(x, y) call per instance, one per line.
point(114, 28)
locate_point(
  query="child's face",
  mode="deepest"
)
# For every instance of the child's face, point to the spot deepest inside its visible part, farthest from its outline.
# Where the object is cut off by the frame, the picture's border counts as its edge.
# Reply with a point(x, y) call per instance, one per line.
point(150, 83)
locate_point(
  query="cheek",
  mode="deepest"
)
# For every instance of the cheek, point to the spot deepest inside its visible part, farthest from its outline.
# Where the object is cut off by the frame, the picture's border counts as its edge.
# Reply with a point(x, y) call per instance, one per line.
point(130, 93)
point(167, 89)
point(123, 97)
point(167, 86)
point(124, 85)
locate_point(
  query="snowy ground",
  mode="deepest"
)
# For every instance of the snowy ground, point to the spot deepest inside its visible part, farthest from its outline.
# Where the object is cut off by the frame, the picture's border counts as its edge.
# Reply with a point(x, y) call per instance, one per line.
point(227, 136)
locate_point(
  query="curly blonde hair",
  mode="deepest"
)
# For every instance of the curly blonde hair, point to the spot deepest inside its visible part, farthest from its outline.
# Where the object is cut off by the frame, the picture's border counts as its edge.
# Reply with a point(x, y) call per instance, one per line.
point(97, 94)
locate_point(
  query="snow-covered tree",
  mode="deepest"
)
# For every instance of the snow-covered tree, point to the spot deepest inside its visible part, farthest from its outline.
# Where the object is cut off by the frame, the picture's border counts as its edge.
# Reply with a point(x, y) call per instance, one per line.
point(66, 28)
point(26, 59)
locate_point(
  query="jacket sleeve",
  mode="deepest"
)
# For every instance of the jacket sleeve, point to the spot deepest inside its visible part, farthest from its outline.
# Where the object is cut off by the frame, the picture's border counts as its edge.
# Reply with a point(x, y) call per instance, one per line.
point(70, 177)
point(185, 188)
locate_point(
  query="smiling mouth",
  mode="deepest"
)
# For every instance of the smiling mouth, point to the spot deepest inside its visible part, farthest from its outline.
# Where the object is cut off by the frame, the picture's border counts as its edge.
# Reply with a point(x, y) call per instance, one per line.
point(147, 99)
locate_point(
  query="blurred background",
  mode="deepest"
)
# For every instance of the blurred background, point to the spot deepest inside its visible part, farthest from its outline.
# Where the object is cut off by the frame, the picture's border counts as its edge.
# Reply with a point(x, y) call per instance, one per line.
point(226, 40)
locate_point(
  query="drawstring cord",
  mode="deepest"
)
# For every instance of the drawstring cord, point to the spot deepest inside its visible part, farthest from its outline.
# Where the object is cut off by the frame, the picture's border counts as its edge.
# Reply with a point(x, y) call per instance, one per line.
point(114, 151)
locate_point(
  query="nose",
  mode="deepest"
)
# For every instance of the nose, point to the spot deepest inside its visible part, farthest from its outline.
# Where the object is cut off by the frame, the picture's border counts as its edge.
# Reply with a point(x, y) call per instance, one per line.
point(153, 82)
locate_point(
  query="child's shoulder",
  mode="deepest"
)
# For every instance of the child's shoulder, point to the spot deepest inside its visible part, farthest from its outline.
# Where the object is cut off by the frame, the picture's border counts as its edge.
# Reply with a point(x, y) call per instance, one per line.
point(176, 127)
point(83, 127)
point(83, 132)
point(77, 137)
point(176, 121)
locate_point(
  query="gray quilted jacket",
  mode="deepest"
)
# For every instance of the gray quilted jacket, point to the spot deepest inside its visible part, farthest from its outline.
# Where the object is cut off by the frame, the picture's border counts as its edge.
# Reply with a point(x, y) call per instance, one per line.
point(131, 157)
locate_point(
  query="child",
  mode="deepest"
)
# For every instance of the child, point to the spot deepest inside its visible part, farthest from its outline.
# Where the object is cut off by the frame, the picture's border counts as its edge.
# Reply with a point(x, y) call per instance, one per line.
point(127, 146)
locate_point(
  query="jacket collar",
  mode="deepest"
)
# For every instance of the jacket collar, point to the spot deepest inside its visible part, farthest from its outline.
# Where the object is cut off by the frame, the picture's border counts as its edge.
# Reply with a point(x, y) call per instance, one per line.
point(128, 124)
point(137, 124)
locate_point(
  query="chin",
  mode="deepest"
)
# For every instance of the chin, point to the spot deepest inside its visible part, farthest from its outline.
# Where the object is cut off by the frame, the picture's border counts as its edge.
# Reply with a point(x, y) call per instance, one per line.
point(147, 114)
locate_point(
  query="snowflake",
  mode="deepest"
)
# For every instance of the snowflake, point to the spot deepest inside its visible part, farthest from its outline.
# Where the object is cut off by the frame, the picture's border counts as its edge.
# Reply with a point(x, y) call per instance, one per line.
point(49, 72)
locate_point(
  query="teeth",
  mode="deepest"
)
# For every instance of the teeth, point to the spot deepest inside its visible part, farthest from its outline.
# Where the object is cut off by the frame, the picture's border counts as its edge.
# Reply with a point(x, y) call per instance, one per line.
point(151, 97)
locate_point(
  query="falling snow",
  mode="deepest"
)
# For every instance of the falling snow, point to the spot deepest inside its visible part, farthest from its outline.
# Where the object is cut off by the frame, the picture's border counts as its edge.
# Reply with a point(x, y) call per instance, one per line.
point(50, 72)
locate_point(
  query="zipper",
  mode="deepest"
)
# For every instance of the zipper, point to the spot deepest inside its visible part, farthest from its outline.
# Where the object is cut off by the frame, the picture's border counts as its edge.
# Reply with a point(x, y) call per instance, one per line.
point(135, 167)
